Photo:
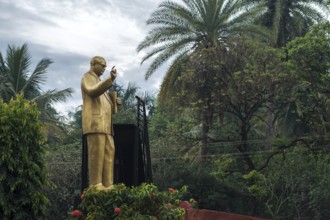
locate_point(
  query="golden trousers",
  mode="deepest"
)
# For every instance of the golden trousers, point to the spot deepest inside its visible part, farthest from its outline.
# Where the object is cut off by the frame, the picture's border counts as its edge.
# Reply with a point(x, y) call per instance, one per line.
point(101, 156)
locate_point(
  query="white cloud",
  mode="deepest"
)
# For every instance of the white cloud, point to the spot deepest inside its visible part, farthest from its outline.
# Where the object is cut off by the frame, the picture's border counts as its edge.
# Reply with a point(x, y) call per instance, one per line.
point(70, 32)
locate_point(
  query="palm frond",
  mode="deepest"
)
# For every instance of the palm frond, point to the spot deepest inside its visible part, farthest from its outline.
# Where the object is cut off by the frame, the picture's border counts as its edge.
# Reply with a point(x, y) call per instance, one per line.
point(129, 94)
point(183, 46)
point(168, 87)
point(180, 27)
point(33, 84)
point(52, 96)
point(3, 68)
point(18, 62)
point(293, 18)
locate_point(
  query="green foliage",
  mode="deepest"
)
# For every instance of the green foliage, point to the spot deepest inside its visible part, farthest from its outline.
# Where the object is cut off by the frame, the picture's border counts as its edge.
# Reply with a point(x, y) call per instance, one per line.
point(291, 18)
point(132, 203)
point(127, 110)
point(179, 29)
point(258, 179)
point(16, 78)
point(309, 61)
point(64, 163)
point(173, 138)
point(309, 56)
point(210, 192)
point(263, 103)
point(14, 70)
point(230, 92)
point(23, 171)
point(298, 185)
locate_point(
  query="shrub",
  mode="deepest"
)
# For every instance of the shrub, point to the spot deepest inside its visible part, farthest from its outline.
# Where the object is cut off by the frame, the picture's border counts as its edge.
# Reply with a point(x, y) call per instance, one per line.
point(23, 171)
point(139, 203)
point(64, 161)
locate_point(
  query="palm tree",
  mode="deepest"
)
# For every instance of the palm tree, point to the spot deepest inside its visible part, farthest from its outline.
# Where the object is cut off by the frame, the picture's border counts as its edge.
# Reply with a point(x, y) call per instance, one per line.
point(180, 29)
point(128, 109)
point(183, 29)
point(15, 78)
point(291, 18)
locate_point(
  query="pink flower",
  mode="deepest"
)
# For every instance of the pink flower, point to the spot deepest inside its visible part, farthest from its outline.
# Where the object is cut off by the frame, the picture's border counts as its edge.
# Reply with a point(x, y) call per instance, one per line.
point(169, 205)
point(82, 196)
point(117, 210)
point(185, 205)
point(76, 213)
point(155, 218)
point(171, 190)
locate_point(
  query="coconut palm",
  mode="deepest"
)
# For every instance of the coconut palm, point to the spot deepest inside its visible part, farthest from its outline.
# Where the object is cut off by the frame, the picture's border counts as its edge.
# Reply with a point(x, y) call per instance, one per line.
point(16, 78)
point(182, 28)
point(291, 18)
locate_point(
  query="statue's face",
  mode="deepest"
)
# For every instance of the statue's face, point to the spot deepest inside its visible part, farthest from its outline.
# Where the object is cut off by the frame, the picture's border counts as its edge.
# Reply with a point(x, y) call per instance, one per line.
point(99, 67)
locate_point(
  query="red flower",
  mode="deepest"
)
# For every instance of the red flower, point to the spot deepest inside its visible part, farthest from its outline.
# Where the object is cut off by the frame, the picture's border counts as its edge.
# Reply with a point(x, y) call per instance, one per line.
point(171, 190)
point(185, 205)
point(117, 210)
point(76, 213)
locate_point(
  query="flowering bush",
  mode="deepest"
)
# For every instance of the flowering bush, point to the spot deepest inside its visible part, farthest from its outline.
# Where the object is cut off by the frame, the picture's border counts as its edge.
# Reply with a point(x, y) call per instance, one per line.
point(144, 202)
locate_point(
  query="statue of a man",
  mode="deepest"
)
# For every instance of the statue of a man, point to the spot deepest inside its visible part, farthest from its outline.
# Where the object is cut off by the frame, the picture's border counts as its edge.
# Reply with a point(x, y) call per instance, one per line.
point(98, 107)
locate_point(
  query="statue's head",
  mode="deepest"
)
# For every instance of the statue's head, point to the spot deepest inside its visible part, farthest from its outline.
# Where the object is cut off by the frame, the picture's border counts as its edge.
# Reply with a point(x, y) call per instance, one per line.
point(98, 65)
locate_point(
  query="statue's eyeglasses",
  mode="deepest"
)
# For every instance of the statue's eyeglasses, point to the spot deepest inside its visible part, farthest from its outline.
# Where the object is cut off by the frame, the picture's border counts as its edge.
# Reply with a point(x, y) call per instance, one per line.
point(103, 65)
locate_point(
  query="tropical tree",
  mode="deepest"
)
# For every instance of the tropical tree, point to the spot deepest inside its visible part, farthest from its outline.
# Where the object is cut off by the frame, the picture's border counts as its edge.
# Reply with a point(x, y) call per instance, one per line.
point(17, 78)
point(309, 60)
point(128, 109)
point(294, 185)
point(24, 173)
point(182, 28)
point(291, 18)
point(247, 79)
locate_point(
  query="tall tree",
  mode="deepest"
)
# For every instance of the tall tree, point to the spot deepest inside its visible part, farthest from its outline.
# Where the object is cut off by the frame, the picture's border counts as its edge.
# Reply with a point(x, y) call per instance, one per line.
point(181, 28)
point(24, 174)
point(309, 60)
point(291, 18)
point(16, 78)
point(246, 80)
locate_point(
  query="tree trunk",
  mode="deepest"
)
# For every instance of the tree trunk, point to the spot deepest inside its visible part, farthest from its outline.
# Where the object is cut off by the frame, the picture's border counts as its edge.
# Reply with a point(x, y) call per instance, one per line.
point(243, 147)
point(205, 131)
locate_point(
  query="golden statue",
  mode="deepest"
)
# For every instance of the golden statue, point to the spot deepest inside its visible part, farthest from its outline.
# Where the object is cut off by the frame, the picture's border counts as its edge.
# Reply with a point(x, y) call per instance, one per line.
point(98, 107)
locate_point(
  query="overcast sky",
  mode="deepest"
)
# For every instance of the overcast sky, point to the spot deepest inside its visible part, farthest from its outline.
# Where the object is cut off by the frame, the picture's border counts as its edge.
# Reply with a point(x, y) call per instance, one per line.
point(70, 32)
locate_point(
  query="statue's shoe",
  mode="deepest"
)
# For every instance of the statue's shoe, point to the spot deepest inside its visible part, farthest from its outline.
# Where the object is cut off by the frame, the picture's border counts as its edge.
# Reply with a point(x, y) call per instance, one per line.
point(99, 187)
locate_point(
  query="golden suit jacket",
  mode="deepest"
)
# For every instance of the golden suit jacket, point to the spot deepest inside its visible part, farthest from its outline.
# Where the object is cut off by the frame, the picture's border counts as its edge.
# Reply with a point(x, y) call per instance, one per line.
point(97, 105)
